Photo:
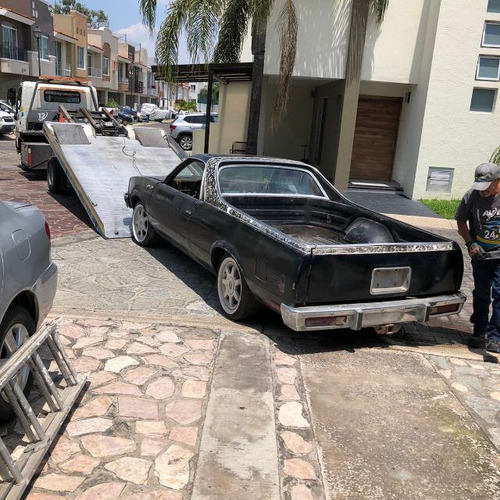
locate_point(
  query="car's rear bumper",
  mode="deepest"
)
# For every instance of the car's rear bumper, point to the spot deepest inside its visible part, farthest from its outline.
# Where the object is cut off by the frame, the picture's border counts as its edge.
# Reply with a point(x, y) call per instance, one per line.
point(45, 290)
point(370, 314)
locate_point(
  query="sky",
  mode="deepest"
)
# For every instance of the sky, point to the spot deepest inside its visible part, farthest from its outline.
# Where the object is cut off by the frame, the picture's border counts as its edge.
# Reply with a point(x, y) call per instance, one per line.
point(124, 18)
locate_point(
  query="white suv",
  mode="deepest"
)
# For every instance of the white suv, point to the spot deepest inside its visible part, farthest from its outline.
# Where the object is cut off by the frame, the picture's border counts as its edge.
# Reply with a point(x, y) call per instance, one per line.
point(181, 129)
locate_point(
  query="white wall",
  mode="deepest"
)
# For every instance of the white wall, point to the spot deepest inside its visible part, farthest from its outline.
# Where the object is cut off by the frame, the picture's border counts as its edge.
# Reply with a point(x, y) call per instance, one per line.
point(453, 136)
point(393, 50)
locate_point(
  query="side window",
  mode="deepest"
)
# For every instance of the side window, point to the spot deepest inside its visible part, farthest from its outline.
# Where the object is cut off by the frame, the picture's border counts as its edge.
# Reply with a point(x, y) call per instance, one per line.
point(189, 119)
point(188, 180)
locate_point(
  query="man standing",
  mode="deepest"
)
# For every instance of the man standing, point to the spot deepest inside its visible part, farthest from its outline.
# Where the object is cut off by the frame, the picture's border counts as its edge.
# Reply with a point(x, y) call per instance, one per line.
point(478, 220)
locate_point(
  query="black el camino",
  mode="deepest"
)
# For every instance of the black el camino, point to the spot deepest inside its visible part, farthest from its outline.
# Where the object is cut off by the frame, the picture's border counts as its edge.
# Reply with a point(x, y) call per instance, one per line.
point(277, 232)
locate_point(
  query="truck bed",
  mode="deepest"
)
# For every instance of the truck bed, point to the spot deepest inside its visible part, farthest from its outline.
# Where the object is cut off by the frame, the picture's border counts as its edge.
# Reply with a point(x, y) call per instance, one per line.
point(315, 221)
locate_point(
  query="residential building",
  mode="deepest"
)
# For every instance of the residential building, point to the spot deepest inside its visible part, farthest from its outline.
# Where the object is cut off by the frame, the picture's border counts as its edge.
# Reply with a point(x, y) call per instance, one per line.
point(426, 115)
point(21, 55)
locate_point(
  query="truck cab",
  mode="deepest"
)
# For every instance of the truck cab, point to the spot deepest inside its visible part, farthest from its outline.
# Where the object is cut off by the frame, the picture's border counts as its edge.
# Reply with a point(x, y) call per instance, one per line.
point(38, 102)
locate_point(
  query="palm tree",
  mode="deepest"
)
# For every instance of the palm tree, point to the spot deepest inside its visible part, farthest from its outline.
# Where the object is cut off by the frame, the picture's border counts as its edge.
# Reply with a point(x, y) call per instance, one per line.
point(219, 27)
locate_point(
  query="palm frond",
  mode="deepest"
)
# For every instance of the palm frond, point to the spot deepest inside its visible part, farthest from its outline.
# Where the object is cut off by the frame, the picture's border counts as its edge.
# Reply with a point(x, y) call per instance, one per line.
point(288, 28)
point(495, 156)
point(379, 8)
point(202, 27)
point(232, 32)
point(167, 41)
point(148, 10)
point(261, 9)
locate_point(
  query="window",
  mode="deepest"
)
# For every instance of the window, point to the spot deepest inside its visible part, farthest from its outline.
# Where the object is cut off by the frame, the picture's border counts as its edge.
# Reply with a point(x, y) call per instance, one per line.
point(64, 96)
point(188, 180)
point(80, 58)
point(9, 42)
point(491, 35)
point(483, 100)
point(44, 47)
point(105, 66)
point(488, 68)
point(494, 6)
point(268, 180)
point(439, 179)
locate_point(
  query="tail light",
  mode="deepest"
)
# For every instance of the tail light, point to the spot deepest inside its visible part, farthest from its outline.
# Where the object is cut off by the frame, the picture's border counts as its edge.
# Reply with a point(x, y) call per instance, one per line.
point(47, 230)
point(29, 157)
point(173, 127)
point(326, 321)
point(444, 309)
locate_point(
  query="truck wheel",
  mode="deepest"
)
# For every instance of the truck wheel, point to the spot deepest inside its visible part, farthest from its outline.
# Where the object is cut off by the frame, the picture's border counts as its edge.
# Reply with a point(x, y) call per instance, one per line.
point(143, 233)
point(235, 297)
point(55, 176)
point(15, 329)
point(186, 142)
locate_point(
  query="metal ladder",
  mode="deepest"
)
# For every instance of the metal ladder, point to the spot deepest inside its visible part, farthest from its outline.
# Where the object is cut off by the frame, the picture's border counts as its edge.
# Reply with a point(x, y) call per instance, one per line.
point(16, 473)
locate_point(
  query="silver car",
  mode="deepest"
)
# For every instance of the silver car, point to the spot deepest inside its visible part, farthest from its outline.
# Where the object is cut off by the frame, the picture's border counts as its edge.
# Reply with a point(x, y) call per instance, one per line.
point(28, 282)
point(181, 129)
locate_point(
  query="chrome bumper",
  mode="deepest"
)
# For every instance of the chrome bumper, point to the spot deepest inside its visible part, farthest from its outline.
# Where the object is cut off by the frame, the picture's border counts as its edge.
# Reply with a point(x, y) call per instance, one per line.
point(369, 314)
point(45, 290)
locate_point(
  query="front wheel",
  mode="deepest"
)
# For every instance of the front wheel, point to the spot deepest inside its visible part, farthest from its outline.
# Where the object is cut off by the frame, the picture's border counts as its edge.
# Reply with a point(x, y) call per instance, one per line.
point(143, 232)
point(235, 297)
point(55, 177)
point(15, 329)
point(186, 142)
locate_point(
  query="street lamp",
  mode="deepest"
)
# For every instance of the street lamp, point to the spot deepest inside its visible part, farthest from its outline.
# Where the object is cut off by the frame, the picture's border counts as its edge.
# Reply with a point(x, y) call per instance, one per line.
point(37, 33)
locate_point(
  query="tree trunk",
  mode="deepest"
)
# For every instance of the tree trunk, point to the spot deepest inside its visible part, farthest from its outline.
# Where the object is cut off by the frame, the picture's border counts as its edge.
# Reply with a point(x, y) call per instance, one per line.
point(350, 98)
point(259, 27)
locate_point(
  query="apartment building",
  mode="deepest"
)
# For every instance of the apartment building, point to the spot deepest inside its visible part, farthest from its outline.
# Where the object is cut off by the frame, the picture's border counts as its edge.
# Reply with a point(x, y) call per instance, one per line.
point(34, 42)
point(427, 112)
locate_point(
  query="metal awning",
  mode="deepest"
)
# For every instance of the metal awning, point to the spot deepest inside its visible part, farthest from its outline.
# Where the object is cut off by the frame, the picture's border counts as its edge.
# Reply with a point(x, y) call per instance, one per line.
point(225, 73)
point(186, 73)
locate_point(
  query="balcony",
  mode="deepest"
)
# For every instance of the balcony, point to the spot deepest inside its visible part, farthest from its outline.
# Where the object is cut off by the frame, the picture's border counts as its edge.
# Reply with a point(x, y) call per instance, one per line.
point(95, 72)
point(63, 69)
point(14, 53)
point(122, 84)
point(14, 60)
point(138, 87)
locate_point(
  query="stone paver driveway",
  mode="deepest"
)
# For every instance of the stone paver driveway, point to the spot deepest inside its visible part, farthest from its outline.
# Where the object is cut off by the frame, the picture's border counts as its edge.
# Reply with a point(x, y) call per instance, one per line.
point(137, 426)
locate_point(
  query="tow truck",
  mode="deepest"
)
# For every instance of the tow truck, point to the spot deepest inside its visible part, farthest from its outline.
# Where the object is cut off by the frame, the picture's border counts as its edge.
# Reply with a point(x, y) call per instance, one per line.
point(60, 128)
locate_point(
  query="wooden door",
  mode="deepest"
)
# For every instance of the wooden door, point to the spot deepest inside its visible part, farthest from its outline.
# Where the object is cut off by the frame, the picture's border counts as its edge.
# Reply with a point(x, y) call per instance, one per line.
point(375, 138)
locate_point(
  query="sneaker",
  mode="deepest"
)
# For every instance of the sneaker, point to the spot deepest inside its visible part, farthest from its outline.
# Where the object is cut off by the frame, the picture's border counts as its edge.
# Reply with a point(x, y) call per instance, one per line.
point(493, 346)
point(477, 339)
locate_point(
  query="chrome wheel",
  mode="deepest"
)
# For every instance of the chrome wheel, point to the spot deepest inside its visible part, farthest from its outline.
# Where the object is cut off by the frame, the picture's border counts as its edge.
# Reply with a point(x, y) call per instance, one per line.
point(140, 223)
point(16, 336)
point(186, 142)
point(229, 285)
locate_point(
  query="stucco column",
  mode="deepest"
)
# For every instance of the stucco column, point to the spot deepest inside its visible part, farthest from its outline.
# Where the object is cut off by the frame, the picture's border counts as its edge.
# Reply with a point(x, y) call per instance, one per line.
point(350, 98)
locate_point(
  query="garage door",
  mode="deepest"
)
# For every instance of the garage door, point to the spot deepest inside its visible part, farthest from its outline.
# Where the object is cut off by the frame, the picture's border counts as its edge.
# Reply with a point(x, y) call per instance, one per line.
point(375, 138)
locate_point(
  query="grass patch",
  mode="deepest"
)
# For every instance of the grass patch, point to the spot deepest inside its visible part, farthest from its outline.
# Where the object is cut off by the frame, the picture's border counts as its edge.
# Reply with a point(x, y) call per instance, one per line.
point(444, 208)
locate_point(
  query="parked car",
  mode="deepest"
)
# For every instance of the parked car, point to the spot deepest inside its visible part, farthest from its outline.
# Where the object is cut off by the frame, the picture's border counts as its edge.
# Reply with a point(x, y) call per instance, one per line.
point(7, 123)
point(181, 129)
point(151, 112)
point(28, 281)
point(277, 232)
point(7, 108)
point(126, 114)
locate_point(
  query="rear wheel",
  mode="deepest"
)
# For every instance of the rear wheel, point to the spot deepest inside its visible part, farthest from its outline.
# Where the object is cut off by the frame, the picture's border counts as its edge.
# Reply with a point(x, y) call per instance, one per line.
point(235, 297)
point(15, 329)
point(186, 142)
point(143, 232)
point(55, 176)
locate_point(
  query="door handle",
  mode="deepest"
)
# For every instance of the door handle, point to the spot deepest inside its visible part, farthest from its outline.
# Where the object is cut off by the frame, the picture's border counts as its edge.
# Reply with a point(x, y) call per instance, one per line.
point(189, 212)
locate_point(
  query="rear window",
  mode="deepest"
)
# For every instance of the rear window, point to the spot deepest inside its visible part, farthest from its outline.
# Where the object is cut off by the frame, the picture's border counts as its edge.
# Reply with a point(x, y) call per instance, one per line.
point(62, 96)
point(267, 180)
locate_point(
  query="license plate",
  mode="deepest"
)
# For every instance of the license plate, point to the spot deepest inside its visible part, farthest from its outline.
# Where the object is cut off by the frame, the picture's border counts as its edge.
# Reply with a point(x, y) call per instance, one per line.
point(390, 280)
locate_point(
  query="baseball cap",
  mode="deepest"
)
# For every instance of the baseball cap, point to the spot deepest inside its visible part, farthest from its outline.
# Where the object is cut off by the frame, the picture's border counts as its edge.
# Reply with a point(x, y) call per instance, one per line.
point(485, 174)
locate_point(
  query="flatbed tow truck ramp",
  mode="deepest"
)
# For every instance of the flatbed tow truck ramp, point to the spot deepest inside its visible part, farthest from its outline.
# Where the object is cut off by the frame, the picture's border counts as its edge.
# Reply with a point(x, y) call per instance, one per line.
point(99, 168)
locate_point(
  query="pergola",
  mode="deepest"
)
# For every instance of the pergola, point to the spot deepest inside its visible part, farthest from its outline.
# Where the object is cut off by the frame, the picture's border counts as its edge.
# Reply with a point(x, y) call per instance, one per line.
point(225, 73)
